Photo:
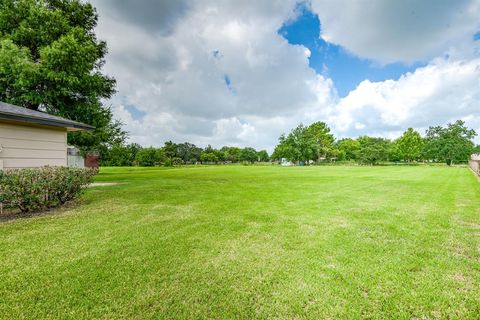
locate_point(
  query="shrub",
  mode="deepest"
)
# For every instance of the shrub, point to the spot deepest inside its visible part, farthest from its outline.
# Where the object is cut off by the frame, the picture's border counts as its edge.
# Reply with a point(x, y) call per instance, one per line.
point(42, 188)
point(177, 161)
point(149, 157)
point(168, 163)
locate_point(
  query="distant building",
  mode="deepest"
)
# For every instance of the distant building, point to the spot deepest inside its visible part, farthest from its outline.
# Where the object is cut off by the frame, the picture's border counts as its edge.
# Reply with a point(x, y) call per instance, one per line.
point(32, 138)
point(475, 157)
point(286, 163)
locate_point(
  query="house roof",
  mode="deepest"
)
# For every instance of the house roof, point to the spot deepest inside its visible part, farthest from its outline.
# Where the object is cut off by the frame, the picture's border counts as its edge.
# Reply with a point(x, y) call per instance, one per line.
point(11, 112)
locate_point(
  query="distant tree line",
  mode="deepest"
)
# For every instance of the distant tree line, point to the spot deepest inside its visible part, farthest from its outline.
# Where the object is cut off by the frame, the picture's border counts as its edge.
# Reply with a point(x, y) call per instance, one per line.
point(315, 143)
point(178, 153)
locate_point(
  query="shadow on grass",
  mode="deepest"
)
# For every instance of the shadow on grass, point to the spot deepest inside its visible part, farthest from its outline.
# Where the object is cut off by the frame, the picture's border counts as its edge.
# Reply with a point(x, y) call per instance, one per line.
point(9, 215)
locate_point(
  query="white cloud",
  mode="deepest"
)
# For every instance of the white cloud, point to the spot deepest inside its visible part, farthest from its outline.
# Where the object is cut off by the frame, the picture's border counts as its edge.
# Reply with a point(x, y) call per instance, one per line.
point(391, 31)
point(183, 74)
point(175, 73)
point(234, 131)
point(441, 92)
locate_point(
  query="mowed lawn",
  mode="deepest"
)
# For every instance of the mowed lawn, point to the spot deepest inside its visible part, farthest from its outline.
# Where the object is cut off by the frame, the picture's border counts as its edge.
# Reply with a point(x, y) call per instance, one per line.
point(250, 242)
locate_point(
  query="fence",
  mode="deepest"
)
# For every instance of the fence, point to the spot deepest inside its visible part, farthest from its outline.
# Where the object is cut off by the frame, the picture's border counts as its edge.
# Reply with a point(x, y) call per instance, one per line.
point(74, 158)
point(475, 166)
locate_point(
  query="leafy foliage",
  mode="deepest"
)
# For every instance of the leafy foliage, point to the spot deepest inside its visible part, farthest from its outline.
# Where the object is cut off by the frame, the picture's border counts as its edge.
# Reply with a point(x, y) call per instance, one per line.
point(348, 149)
point(188, 152)
point(263, 156)
point(322, 140)
point(231, 154)
point(312, 143)
point(410, 145)
point(305, 143)
point(42, 188)
point(298, 145)
point(209, 155)
point(372, 150)
point(51, 60)
point(174, 154)
point(249, 155)
point(149, 157)
point(450, 144)
point(120, 155)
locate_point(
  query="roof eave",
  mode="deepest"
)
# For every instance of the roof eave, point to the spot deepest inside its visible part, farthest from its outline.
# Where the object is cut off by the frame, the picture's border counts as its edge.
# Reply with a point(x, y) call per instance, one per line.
point(71, 126)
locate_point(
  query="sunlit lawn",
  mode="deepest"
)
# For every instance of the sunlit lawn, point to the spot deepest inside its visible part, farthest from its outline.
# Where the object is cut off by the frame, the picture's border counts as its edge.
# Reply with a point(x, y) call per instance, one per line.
point(252, 242)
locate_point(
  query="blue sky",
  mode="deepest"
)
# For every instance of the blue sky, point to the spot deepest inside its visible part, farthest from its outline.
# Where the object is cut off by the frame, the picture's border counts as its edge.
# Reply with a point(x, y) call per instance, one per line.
point(345, 69)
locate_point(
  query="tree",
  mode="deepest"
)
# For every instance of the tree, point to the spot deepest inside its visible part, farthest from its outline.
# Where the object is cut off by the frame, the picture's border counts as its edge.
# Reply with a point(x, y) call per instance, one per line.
point(120, 155)
point(372, 150)
point(209, 155)
point(188, 152)
point(450, 144)
point(348, 149)
point(394, 153)
point(51, 60)
point(248, 155)
point(231, 154)
point(220, 155)
point(321, 138)
point(410, 145)
point(299, 145)
point(149, 157)
point(280, 150)
point(263, 156)
point(170, 150)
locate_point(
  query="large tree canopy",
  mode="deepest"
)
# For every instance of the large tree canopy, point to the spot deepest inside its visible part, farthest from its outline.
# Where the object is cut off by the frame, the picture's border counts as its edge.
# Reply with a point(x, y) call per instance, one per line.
point(305, 143)
point(409, 145)
point(372, 150)
point(322, 139)
point(449, 144)
point(51, 60)
point(348, 149)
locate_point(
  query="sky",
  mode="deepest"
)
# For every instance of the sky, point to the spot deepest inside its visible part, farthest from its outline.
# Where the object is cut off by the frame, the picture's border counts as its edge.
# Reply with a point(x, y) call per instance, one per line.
point(241, 73)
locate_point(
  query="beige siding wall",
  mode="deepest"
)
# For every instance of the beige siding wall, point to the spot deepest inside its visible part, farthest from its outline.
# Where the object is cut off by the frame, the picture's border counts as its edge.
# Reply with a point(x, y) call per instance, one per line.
point(26, 146)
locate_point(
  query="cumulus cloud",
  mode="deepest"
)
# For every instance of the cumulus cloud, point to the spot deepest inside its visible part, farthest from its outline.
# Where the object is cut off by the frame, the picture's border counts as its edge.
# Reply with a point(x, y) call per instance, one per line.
point(441, 92)
point(391, 31)
point(157, 16)
point(219, 73)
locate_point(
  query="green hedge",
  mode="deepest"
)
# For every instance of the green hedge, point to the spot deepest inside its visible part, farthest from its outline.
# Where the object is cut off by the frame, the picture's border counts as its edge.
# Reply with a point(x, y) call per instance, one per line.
point(39, 189)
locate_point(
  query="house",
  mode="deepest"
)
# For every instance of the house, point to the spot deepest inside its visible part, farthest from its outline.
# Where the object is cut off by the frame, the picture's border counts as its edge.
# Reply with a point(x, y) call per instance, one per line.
point(32, 138)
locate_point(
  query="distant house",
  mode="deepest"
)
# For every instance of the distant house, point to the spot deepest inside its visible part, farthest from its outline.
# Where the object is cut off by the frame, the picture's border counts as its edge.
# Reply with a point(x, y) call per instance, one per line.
point(286, 163)
point(33, 139)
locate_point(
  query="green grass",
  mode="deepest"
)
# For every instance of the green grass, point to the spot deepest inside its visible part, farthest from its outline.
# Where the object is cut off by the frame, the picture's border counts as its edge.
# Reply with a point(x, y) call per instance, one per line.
point(252, 242)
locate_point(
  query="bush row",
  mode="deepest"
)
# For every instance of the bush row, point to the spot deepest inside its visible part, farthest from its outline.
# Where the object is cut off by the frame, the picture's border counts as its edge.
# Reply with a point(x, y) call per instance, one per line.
point(42, 188)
